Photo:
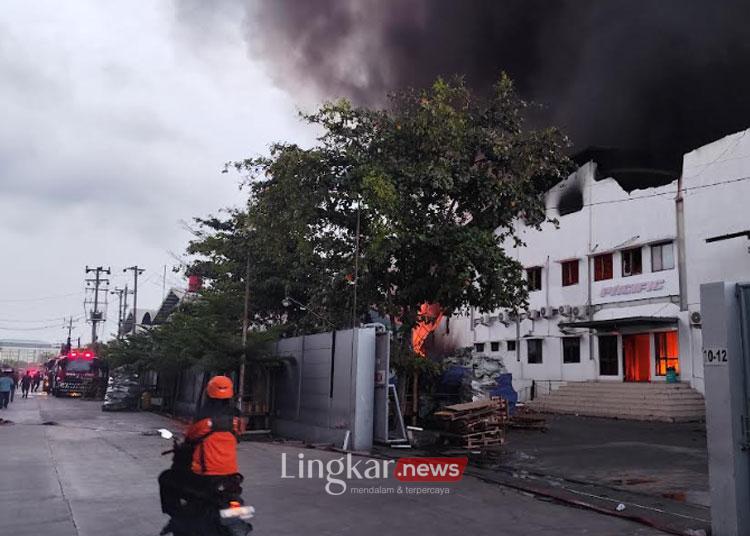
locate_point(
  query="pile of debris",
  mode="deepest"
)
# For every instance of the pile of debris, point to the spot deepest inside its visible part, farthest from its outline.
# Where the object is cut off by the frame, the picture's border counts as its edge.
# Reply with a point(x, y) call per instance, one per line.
point(526, 420)
point(475, 376)
point(476, 424)
point(124, 389)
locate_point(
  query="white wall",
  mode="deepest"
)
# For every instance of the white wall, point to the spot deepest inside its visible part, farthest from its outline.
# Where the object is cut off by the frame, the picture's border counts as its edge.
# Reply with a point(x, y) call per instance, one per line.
point(610, 220)
point(716, 189)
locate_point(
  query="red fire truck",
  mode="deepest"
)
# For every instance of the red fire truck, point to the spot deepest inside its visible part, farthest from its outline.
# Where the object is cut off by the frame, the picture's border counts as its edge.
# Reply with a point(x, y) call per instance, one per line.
point(77, 373)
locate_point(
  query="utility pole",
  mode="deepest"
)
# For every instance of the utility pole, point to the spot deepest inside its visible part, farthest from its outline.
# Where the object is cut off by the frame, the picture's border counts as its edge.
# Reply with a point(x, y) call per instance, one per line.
point(136, 272)
point(125, 306)
point(96, 315)
point(69, 327)
point(245, 327)
point(122, 298)
point(355, 322)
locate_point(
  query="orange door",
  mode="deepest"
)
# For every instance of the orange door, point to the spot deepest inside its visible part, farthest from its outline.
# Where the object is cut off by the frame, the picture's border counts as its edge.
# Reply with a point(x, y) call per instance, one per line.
point(636, 351)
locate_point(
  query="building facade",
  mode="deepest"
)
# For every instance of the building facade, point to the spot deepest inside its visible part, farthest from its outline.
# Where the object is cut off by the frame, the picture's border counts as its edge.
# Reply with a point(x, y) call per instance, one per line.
point(614, 284)
point(26, 351)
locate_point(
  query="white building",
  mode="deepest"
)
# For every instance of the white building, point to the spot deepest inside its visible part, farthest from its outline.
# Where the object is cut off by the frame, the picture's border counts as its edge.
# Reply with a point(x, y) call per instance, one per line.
point(615, 286)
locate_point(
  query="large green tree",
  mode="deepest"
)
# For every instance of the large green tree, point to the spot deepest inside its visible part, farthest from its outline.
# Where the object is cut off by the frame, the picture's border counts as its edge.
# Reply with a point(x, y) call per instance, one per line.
point(427, 190)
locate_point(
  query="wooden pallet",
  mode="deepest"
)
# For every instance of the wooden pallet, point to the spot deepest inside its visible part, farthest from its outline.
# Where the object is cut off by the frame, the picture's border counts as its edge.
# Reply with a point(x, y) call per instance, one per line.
point(475, 424)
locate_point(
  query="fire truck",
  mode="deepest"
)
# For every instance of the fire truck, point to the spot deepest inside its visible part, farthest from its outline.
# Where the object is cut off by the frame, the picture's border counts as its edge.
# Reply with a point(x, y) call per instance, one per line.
point(79, 372)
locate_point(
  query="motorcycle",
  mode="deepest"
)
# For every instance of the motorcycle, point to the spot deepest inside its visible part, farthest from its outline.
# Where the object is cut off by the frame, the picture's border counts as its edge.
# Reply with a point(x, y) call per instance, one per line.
point(215, 508)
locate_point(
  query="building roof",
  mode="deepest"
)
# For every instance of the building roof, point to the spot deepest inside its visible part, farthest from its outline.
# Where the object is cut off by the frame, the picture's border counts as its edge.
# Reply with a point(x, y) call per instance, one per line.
point(616, 323)
point(20, 343)
point(144, 318)
point(171, 301)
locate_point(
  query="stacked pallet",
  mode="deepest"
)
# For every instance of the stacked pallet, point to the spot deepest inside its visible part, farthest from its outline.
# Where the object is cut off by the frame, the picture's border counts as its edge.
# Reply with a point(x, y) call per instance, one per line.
point(475, 424)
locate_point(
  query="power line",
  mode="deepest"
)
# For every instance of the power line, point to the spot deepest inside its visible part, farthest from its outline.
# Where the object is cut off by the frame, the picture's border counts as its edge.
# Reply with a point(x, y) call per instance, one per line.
point(659, 194)
point(22, 321)
point(42, 298)
point(40, 328)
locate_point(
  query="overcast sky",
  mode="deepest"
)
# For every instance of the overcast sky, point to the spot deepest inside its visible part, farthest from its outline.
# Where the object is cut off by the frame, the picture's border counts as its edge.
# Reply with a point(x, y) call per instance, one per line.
point(115, 121)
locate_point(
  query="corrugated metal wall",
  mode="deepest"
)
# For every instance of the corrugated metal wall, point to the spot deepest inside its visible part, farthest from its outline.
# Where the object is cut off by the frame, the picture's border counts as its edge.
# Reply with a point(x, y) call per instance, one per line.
point(326, 387)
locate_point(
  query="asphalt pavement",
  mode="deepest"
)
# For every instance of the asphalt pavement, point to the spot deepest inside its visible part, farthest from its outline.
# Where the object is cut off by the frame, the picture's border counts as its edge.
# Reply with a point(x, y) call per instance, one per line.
point(69, 469)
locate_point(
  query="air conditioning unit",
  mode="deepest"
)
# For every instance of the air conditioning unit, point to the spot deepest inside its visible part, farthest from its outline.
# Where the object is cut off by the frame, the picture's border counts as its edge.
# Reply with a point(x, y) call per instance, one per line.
point(503, 318)
point(579, 311)
point(548, 312)
point(566, 310)
point(695, 318)
point(534, 314)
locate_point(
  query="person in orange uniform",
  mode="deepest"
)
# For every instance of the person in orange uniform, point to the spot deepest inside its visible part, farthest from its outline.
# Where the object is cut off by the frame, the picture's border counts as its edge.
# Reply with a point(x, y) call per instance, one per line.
point(211, 442)
point(214, 432)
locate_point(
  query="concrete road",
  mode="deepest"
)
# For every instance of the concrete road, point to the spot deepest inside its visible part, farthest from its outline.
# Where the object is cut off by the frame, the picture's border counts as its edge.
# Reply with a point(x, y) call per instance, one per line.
point(91, 473)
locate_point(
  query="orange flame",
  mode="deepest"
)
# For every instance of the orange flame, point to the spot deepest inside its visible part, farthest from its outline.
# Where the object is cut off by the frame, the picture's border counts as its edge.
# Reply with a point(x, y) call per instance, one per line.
point(430, 314)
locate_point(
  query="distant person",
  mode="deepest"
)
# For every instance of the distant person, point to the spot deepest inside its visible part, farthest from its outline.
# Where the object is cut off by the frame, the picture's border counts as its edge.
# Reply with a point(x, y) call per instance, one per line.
point(26, 385)
point(6, 386)
point(37, 381)
point(13, 376)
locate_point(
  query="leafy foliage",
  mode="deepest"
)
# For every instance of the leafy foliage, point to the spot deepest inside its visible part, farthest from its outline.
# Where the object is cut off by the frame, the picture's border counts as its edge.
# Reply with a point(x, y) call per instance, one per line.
point(205, 332)
point(435, 182)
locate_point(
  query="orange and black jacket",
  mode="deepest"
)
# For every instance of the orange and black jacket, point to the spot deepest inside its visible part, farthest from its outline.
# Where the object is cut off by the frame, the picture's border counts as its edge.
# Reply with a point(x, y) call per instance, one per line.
point(214, 437)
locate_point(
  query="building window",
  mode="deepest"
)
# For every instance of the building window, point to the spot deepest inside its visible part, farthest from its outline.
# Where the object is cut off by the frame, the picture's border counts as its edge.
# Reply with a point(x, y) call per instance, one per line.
point(534, 351)
point(571, 349)
point(495, 346)
point(534, 278)
point(667, 351)
point(570, 273)
point(511, 346)
point(631, 262)
point(603, 267)
point(662, 257)
point(608, 362)
point(479, 347)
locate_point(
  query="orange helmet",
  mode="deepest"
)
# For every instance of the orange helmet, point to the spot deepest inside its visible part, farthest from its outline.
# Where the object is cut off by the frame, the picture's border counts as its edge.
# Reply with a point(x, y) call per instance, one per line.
point(220, 387)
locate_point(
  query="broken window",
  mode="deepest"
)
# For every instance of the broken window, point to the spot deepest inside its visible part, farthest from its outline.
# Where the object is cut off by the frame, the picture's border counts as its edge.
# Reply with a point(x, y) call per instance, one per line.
point(571, 349)
point(495, 346)
point(608, 361)
point(570, 273)
point(662, 257)
point(479, 347)
point(534, 278)
point(603, 267)
point(667, 350)
point(631, 262)
point(511, 346)
point(570, 201)
point(534, 351)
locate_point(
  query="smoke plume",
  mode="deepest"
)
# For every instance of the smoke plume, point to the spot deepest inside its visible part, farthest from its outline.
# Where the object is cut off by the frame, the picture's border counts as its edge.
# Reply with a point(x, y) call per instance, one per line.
point(657, 78)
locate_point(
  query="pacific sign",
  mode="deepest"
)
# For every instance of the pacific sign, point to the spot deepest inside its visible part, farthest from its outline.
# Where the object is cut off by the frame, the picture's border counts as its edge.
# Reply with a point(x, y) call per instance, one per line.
point(633, 288)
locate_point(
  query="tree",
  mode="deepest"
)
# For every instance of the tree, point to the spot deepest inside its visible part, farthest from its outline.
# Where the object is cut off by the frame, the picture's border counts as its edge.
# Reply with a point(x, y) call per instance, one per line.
point(434, 184)
point(205, 332)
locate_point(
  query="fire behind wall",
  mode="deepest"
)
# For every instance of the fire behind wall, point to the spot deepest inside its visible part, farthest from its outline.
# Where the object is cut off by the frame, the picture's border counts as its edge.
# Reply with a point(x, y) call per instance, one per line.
point(656, 78)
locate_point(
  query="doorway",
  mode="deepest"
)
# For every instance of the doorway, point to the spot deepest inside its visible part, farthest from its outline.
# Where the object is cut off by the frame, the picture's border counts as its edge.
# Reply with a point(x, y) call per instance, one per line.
point(636, 351)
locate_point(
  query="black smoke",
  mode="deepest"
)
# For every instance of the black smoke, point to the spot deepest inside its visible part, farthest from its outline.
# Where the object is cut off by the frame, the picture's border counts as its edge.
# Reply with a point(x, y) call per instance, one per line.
point(656, 78)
